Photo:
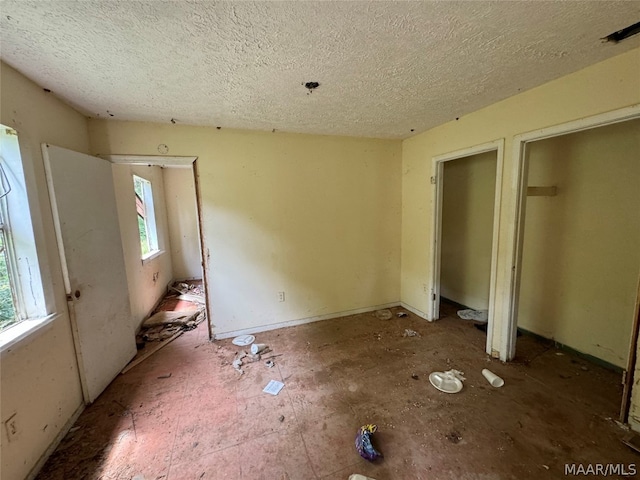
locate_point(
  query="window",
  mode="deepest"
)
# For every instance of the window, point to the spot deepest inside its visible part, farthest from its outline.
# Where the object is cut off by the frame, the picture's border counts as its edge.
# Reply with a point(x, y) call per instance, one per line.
point(20, 276)
point(8, 290)
point(146, 217)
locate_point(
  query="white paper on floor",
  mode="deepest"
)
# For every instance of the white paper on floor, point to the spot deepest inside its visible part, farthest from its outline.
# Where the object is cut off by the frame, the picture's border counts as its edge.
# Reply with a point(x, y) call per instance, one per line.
point(475, 315)
point(273, 387)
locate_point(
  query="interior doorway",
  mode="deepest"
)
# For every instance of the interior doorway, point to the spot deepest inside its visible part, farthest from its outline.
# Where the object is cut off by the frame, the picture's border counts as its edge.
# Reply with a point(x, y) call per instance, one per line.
point(177, 177)
point(467, 199)
point(576, 262)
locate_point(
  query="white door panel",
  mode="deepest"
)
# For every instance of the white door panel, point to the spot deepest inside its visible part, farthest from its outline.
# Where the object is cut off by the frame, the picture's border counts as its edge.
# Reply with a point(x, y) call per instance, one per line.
point(84, 209)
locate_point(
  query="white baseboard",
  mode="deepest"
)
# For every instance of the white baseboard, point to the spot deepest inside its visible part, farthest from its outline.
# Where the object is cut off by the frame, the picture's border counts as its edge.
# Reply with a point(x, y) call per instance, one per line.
point(415, 311)
point(56, 441)
point(302, 321)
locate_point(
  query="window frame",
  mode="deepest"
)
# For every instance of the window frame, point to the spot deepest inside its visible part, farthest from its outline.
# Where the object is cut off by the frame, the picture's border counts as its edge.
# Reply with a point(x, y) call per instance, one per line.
point(18, 224)
point(149, 219)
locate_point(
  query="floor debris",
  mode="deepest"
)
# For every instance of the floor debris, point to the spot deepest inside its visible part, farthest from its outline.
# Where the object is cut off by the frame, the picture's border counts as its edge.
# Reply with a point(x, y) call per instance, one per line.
point(384, 314)
point(269, 363)
point(364, 446)
point(179, 317)
point(243, 340)
point(167, 324)
point(402, 314)
point(273, 387)
point(447, 382)
point(168, 375)
point(481, 316)
point(454, 437)
point(258, 348)
point(237, 362)
point(410, 333)
point(150, 351)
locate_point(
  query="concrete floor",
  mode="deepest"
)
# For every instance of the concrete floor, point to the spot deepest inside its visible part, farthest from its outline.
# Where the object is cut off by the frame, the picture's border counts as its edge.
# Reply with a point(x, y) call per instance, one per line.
point(207, 421)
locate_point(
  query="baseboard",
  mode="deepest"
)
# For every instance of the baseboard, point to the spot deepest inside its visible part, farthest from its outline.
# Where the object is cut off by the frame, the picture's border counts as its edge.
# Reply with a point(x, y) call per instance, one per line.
point(595, 360)
point(56, 441)
point(302, 321)
point(415, 311)
point(458, 305)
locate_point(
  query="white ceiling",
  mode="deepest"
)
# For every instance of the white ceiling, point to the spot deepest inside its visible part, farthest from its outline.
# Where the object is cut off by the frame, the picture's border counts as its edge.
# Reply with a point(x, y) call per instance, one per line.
point(384, 68)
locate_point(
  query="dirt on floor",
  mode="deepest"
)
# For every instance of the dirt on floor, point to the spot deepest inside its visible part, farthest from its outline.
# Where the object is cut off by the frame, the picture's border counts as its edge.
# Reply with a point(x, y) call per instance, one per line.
point(185, 413)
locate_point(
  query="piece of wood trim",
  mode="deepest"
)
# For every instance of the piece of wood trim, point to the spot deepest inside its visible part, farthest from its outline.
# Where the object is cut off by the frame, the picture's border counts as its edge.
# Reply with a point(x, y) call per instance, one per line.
point(631, 363)
point(542, 191)
point(150, 352)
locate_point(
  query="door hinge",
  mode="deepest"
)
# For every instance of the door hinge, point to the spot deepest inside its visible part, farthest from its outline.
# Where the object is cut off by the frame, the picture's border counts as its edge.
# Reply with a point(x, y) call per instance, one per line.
point(433, 297)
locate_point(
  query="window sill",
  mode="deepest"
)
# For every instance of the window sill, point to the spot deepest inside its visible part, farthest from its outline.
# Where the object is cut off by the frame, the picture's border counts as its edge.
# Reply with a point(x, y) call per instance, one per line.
point(151, 256)
point(20, 331)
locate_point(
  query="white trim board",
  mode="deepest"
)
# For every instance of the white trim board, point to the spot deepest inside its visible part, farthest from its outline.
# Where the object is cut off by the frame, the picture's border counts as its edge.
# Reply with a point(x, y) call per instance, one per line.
point(516, 216)
point(156, 160)
point(436, 238)
point(415, 311)
point(302, 321)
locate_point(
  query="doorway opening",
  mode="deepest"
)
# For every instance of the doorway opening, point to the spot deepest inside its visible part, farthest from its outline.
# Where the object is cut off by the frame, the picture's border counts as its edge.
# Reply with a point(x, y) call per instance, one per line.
point(464, 244)
point(178, 207)
point(576, 263)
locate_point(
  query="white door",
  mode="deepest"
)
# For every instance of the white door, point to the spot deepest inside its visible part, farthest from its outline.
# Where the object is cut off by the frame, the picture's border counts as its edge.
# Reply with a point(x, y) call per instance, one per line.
point(84, 210)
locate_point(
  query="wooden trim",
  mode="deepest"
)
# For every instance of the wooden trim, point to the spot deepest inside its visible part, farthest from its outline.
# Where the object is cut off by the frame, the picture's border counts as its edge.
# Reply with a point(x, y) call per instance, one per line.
point(438, 170)
point(631, 363)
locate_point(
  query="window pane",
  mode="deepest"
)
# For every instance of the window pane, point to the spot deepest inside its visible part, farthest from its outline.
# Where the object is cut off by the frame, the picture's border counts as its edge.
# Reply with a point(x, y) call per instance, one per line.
point(142, 228)
point(146, 216)
point(7, 310)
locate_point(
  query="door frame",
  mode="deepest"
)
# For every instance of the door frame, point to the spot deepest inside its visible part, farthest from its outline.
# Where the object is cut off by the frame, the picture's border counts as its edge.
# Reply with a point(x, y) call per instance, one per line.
point(185, 162)
point(517, 216)
point(437, 179)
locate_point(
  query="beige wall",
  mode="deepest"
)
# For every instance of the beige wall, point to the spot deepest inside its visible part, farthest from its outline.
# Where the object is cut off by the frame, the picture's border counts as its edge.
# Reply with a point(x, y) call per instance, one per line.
point(39, 377)
point(606, 86)
point(316, 217)
point(581, 258)
point(468, 200)
point(147, 280)
point(182, 217)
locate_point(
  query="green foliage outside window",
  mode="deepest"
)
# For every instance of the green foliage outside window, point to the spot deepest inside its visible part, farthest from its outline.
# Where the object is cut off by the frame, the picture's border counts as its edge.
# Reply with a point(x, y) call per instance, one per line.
point(7, 310)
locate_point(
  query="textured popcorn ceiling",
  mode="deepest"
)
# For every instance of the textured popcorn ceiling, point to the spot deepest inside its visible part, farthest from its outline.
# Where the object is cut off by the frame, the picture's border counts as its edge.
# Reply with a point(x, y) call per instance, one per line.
point(386, 69)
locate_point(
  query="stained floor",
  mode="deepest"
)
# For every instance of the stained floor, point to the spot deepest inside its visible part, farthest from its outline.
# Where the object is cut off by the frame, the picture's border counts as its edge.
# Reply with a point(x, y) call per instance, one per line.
point(206, 421)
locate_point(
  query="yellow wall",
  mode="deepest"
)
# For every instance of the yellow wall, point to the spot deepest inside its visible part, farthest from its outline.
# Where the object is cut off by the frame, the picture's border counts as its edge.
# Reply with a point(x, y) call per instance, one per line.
point(39, 375)
point(180, 194)
point(468, 200)
point(317, 217)
point(581, 258)
point(147, 281)
point(606, 86)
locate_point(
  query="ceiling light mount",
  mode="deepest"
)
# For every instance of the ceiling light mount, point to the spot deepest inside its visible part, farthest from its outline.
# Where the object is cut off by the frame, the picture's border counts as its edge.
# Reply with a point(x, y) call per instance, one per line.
point(311, 86)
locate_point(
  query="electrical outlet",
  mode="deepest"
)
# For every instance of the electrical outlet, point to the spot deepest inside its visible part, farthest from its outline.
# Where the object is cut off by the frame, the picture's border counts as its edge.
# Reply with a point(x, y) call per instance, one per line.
point(11, 427)
point(281, 296)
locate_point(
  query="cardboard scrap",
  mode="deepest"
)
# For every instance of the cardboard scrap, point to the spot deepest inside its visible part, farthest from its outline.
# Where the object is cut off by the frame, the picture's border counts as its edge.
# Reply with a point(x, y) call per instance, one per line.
point(179, 317)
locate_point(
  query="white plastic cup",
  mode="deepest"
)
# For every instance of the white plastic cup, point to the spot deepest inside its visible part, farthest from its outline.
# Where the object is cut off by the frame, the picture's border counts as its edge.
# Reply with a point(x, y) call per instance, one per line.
point(257, 348)
point(492, 378)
